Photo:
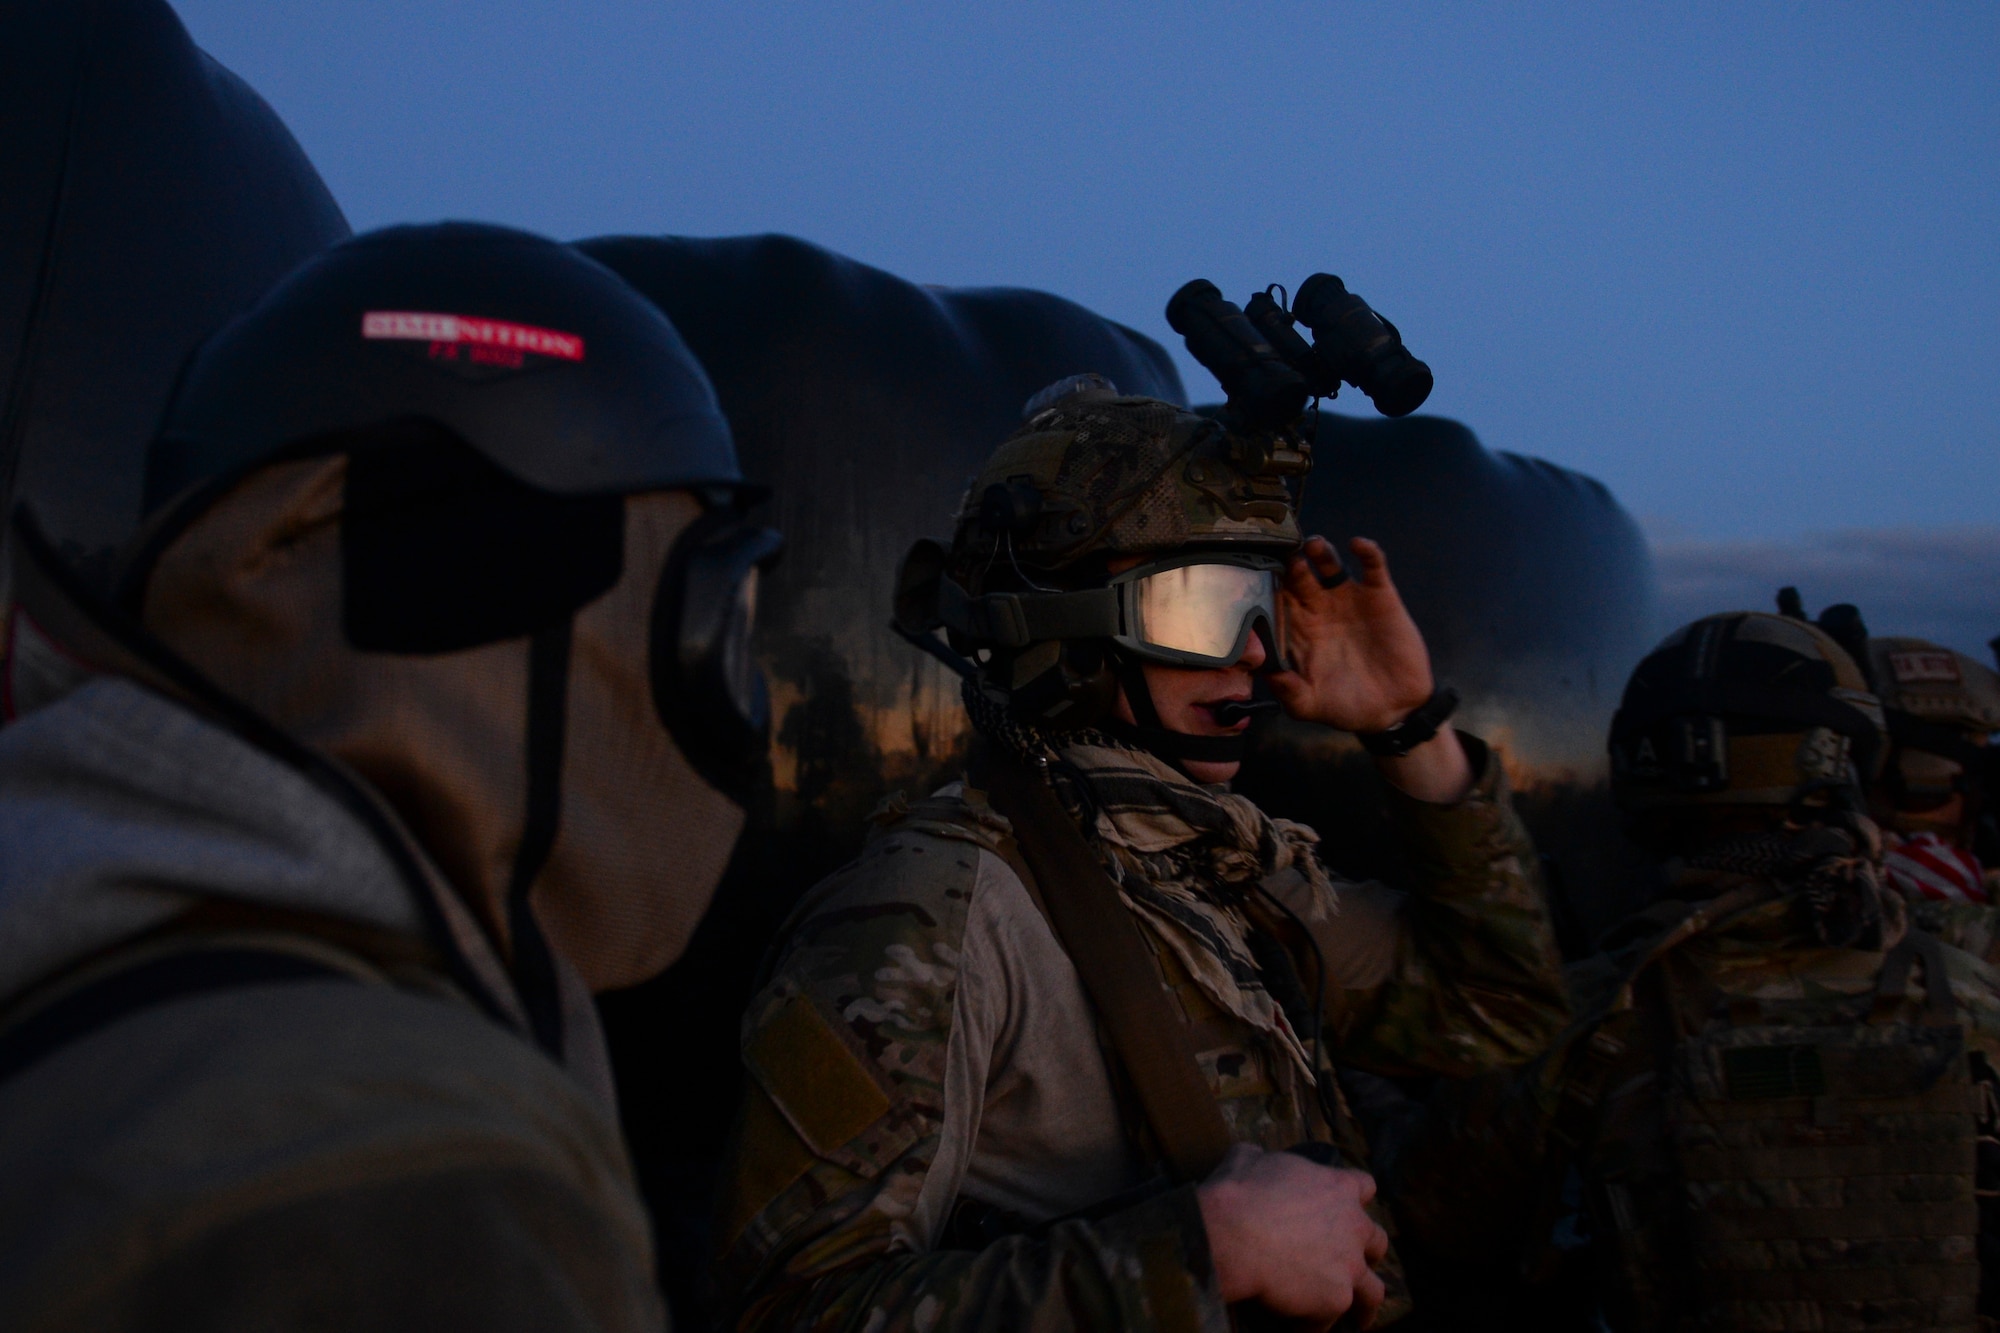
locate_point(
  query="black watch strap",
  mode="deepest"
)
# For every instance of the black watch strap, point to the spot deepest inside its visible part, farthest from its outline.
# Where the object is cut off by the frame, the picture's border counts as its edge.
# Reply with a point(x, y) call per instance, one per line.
point(1413, 730)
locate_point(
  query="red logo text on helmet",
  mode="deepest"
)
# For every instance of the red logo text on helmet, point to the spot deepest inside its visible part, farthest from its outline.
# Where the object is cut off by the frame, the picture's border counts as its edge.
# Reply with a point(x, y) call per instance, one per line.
point(468, 341)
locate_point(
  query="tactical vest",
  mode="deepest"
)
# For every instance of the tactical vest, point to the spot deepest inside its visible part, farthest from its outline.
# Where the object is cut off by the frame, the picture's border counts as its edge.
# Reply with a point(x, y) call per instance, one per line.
point(1822, 1165)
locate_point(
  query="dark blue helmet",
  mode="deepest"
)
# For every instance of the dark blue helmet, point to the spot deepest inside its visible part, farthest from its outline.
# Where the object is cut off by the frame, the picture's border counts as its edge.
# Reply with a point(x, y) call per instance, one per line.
point(542, 360)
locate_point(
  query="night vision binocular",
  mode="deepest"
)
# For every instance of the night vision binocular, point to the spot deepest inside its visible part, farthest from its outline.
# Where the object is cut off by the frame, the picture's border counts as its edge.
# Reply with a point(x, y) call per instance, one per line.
point(1269, 371)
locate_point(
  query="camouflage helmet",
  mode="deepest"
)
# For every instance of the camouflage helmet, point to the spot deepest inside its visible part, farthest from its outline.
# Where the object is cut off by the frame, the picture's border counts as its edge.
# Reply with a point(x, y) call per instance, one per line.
point(1092, 475)
point(1932, 683)
point(1743, 709)
point(1941, 707)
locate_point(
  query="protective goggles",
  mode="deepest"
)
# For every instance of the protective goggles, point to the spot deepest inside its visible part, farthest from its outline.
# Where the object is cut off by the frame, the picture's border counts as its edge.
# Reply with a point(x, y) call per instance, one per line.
point(707, 686)
point(1195, 610)
point(1199, 611)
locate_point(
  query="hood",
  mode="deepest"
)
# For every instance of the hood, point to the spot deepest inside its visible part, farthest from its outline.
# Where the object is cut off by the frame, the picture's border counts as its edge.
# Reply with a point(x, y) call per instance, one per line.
point(120, 810)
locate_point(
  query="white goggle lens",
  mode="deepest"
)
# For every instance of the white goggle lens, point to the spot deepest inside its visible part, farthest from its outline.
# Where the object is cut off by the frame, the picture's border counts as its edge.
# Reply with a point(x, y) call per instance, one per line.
point(1201, 609)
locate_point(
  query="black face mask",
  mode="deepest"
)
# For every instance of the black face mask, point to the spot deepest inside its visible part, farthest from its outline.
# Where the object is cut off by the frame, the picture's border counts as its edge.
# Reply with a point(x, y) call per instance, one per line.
point(443, 551)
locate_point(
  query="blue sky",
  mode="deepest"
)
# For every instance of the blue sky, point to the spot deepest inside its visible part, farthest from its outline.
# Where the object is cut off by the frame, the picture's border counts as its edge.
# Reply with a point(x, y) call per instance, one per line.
point(1739, 261)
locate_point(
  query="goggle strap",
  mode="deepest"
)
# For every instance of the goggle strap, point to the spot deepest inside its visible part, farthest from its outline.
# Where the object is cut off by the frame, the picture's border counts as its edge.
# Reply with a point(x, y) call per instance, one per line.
point(1015, 620)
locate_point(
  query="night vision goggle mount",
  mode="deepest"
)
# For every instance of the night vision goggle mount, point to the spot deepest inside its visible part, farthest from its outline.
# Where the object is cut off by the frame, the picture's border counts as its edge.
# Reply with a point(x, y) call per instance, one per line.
point(1269, 371)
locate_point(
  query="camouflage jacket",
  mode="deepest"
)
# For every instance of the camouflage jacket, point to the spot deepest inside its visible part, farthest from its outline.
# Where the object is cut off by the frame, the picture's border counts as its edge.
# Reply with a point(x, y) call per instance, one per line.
point(923, 1043)
point(1733, 1074)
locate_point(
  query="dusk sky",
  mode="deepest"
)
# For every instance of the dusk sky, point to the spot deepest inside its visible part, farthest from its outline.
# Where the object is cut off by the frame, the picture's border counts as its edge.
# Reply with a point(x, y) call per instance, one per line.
point(1737, 261)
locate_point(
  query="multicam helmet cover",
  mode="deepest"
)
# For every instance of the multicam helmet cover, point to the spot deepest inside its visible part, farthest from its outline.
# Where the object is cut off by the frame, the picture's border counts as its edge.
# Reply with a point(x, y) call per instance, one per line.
point(1942, 709)
point(1926, 680)
point(1096, 475)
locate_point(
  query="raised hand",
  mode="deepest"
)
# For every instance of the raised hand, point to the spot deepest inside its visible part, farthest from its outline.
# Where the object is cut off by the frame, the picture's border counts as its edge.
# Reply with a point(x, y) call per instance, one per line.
point(1359, 662)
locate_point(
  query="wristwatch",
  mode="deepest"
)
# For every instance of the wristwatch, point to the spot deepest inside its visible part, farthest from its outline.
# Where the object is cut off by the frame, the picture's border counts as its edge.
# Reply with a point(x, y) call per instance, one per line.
point(1413, 730)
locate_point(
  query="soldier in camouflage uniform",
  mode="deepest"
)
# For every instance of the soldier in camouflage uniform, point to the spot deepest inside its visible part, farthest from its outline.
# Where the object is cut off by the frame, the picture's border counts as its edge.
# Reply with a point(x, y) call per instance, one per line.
point(1777, 1109)
point(1932, 800)
point(934, 1120)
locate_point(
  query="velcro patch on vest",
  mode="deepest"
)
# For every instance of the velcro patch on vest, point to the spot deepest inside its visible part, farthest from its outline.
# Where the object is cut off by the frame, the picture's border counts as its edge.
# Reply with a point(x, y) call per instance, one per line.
point(1758, 1073)
point(823, 1088)
point(1765, 1063)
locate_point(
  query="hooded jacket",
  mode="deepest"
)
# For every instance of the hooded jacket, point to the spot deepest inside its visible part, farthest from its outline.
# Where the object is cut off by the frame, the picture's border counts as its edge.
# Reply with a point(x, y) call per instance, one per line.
point(368, 1136)
point(355, 1150)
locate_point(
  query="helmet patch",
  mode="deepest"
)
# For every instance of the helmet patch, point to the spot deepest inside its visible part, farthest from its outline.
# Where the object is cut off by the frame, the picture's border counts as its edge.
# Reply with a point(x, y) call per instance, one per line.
point(1915, 667)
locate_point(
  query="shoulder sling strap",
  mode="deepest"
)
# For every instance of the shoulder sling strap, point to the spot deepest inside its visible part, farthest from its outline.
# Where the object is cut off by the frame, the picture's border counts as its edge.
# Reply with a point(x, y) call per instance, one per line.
point(1103, 941)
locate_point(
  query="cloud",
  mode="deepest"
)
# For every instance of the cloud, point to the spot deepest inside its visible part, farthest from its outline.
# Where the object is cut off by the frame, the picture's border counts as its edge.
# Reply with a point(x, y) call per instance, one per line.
point(1942, 585)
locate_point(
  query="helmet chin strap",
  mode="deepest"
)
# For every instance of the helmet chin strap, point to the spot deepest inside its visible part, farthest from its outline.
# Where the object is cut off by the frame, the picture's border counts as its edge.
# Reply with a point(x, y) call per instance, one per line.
point(1148, 733)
